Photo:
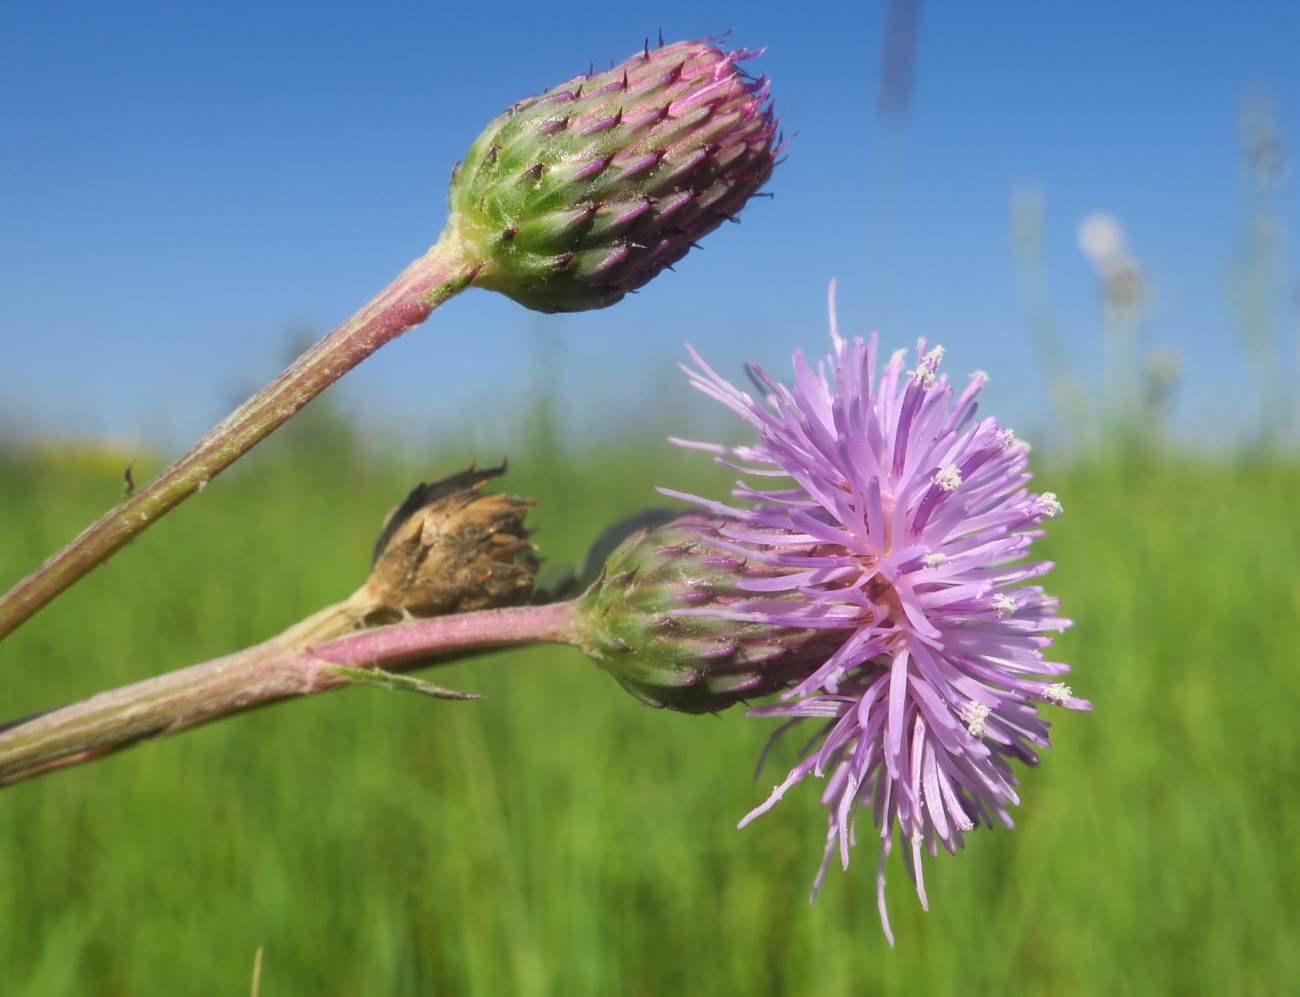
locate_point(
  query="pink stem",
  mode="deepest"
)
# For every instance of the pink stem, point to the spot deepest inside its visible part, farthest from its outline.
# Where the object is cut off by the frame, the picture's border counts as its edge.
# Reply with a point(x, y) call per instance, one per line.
point(257, 676)
point(441, 273)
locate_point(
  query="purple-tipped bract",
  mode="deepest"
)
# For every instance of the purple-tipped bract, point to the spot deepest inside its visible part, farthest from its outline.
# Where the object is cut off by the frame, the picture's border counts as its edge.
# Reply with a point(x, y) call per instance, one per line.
point(919, 519)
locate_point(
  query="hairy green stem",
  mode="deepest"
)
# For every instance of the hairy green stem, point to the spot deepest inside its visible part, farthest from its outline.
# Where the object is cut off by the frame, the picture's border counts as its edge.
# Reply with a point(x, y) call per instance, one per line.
point(441, 273)
point(308, 658)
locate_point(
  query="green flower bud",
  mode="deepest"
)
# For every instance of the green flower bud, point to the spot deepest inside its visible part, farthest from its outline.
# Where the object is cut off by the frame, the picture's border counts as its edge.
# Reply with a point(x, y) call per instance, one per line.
point(640, 621)
point(585, 193)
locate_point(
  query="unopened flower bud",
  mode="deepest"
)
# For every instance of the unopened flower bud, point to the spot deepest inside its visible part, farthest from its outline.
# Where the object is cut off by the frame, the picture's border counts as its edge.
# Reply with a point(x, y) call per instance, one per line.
point(642, 622)
point(577, 196)
point(449, 548)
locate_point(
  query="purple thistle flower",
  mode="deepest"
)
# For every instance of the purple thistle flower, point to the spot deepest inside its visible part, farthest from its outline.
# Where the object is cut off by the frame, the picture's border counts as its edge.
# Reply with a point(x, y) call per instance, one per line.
point(906, 526)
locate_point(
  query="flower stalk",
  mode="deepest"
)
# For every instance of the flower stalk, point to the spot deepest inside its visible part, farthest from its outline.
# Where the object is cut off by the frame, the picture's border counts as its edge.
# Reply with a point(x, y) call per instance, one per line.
point(449, 551)
point(311, 657)
point(440, 274)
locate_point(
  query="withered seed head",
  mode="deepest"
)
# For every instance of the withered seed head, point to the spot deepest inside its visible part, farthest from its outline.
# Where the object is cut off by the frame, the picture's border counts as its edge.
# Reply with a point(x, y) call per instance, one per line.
point(449, 548)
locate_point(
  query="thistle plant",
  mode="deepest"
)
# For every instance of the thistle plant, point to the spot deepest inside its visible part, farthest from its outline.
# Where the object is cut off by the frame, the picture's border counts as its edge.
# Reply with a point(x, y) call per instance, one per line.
point(884, 591)
point(566, 202)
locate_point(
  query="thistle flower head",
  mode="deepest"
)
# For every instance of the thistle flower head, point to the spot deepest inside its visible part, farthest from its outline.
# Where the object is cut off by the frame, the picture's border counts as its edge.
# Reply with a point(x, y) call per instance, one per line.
point(580, 195)
point(641, 623)
point(903, 530)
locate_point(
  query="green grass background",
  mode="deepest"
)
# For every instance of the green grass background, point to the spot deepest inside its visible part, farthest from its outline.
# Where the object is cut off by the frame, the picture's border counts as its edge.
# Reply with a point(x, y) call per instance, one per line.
point(559, 838)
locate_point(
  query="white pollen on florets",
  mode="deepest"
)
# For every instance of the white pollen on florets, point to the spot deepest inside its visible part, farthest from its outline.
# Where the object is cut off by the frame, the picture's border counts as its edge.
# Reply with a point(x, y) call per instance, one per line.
point(1003, 603)
point(934, 560)
point(975, 714)
point(981, 376)
point(1004, 438)
point(1047, 505)
point(923, 377)
point(897, 359)
point(925, 370)
point(949, 479)
point(1057, 692)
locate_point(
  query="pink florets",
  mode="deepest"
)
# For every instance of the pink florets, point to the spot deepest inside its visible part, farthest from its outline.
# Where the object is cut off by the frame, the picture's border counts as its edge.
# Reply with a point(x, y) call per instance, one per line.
point(905, 527)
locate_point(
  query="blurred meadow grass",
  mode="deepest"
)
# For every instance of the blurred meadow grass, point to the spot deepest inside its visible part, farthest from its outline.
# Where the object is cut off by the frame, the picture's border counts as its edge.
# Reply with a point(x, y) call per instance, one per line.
point(558, 837)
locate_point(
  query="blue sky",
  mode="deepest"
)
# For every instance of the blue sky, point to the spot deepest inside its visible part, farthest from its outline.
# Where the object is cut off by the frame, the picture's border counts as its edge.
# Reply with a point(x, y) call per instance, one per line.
point(182, 186)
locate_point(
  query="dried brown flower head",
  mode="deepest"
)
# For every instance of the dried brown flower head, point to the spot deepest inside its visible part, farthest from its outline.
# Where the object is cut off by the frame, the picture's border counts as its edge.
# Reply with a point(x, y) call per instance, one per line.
point(450, 548)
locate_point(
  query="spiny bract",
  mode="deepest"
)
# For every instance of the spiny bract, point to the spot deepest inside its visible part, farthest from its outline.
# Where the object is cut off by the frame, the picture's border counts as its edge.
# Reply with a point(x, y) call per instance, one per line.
point(580, 195)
